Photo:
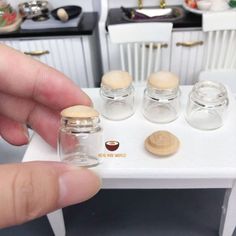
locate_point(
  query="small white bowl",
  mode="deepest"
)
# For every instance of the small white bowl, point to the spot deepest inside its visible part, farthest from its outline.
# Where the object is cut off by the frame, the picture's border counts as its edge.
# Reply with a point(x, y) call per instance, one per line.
point(204, 5)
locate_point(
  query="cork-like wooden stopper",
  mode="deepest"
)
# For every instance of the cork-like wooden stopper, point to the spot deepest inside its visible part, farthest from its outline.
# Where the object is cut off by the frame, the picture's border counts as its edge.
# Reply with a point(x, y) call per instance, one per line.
point(163, 80)
point(117, 79)
point(162, 143)
point(79, 111)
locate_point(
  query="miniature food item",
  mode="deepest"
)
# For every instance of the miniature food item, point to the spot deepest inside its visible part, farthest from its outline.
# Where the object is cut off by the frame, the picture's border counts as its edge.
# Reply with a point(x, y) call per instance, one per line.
point(162, 143)
point(7, 15)
point(191, 3)
point(62, 15)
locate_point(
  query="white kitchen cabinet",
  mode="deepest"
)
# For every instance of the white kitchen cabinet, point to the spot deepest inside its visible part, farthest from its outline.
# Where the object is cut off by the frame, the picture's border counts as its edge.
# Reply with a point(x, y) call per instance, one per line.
point(73, 56)
point(187, 53)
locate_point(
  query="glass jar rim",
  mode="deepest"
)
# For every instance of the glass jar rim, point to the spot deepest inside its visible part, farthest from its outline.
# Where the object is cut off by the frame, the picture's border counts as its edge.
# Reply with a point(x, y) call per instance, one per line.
point(207, 91)
point(114, 93)
point(65, 121)
point(162, 93)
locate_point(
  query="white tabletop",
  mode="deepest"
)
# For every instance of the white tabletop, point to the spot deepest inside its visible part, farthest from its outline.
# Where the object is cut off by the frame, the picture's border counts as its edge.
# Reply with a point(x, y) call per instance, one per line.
point(202, 154)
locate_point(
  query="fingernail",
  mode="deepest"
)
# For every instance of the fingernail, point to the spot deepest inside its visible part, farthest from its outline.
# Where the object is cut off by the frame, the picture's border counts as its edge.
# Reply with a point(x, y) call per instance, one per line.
point(77, 185)
point(26, 133)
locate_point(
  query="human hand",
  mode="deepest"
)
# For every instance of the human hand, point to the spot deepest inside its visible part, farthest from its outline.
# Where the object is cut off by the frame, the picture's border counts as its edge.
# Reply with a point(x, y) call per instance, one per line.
point(34, 94)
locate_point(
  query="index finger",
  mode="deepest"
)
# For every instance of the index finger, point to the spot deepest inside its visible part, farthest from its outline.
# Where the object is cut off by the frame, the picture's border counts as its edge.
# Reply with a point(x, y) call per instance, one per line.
point(22, 76)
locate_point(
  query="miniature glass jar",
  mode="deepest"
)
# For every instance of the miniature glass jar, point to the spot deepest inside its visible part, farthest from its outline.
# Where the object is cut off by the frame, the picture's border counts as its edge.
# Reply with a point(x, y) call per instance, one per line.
point(207, 105)
point(117, 93)
point(161, 101)
point(80, 136)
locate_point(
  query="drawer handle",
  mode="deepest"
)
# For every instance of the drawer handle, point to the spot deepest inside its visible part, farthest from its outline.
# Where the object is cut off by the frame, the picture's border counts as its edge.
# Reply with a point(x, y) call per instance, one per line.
point(155, 46)
point(37, 53)
point(189, 44)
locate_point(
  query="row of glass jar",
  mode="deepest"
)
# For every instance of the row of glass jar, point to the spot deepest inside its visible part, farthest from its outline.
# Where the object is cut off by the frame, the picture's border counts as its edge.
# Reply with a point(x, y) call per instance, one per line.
point(206, 108)
point(80, 135)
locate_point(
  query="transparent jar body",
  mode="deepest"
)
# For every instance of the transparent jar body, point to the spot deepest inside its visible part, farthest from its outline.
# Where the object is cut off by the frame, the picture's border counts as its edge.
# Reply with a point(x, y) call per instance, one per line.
point(117, 104)
point(161, 106)
point(207, 105)
point(80, 141)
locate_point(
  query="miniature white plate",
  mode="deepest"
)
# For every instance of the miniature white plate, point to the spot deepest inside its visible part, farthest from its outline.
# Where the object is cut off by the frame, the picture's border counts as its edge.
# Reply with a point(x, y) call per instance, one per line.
point(193, 10)
point(197, 11)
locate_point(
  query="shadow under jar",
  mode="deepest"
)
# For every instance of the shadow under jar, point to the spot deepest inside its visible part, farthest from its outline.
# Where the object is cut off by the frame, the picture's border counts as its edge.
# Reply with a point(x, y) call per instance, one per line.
point(207, 105)
point(117, 94)
point(80, 136)
point(161, 100)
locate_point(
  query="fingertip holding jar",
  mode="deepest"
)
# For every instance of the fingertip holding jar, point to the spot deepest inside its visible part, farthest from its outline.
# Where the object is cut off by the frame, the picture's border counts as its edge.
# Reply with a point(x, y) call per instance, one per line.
point(80, 136)
point(161, 100)
point(117, 94)
point(207, 105)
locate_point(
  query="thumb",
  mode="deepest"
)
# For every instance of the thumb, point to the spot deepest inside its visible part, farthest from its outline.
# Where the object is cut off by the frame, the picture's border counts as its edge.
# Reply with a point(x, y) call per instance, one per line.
point(30, 190)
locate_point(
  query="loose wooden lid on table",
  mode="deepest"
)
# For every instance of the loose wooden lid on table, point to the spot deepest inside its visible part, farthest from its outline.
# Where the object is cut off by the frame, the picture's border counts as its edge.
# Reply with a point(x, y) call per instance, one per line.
point(117, 79)
point(79, 111)
point(163, 80)
point(162, 143)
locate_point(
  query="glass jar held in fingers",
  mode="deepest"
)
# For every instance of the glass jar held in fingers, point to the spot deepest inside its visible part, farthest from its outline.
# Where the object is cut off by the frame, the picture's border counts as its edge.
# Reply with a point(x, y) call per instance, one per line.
point(80, 136)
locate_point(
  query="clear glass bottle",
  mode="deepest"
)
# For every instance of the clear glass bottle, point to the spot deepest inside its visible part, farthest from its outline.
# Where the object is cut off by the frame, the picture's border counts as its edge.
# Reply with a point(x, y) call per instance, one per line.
point(207, 105)
point(161, 100)
point(117, 93)
point(80, 136)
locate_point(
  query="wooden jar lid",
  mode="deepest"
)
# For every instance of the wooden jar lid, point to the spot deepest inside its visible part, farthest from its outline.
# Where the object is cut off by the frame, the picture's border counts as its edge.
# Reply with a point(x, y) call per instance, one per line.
point(117, 79)
point(162, 143)
point(79, 111)
point(163, 80)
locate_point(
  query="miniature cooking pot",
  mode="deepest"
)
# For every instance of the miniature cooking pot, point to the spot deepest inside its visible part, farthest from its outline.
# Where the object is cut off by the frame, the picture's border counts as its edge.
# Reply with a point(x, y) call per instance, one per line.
point(33, 9)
